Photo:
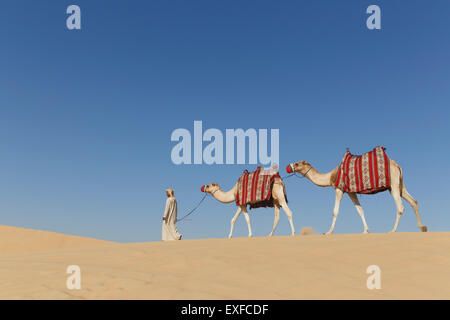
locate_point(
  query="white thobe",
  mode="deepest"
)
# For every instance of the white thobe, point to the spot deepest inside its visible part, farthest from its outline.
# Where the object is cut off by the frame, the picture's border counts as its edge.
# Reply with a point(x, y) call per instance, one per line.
point(169, 226)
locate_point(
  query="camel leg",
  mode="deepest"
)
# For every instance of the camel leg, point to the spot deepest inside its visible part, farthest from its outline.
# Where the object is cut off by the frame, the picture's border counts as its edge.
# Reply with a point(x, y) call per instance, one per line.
point(276, 219)
point(360, 210)
point(247, 218)
point(279, 196)
point(395, 192)
point(233, 221)
point(288, 214)
point(413, 202)
point(337, 204)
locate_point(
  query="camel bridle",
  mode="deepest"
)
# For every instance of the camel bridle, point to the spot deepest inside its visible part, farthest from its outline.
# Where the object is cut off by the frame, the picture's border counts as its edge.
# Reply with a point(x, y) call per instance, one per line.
point(304, 175)
point(294, 172)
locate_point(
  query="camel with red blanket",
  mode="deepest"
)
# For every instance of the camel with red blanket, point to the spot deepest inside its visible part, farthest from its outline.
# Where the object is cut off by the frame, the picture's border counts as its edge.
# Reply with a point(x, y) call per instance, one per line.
point(256, 189)
point(369, 173)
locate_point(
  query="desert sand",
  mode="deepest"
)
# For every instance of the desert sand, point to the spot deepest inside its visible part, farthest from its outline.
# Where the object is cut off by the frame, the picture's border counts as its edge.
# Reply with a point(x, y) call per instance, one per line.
point(413, 266)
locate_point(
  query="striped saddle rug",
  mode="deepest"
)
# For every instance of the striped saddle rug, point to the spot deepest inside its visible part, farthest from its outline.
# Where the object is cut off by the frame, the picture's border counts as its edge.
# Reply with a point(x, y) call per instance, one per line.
point(255, 188)
point(366, 174)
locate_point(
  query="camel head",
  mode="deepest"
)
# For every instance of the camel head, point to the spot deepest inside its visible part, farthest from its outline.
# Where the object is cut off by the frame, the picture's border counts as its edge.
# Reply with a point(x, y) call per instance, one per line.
point(301, 167)
point(210, 188)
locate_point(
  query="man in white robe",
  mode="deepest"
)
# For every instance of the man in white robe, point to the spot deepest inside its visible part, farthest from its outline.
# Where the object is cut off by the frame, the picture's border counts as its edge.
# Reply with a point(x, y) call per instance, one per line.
point(169, 226)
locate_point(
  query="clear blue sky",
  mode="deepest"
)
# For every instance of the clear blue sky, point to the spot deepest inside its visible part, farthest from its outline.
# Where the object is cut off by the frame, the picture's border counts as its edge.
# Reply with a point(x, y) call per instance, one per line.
point(86, 116)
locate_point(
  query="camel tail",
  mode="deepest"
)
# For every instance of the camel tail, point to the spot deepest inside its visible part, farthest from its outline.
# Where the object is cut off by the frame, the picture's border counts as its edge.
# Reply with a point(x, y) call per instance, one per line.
point(402, 183)
point(285, 194)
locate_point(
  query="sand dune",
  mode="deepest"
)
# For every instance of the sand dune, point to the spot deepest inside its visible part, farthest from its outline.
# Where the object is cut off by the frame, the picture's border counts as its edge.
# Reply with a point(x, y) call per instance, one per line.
point(413, 266)
point(18, 240)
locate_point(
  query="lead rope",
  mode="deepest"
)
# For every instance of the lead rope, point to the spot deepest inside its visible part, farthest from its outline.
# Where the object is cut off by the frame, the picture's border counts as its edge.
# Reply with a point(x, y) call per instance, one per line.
point(193, 210)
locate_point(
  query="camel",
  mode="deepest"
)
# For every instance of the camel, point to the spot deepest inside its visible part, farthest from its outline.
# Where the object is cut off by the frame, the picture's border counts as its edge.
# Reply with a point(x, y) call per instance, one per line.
point(279, 201)
point(397, 190)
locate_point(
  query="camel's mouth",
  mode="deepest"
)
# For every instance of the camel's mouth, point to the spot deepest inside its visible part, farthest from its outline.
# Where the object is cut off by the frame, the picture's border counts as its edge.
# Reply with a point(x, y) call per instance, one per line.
point(289, 169)
point(202, 188)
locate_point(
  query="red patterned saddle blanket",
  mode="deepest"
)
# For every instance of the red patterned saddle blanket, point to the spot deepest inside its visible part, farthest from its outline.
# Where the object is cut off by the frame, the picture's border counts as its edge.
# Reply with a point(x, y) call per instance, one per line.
point(255, 187)
point(368, 173)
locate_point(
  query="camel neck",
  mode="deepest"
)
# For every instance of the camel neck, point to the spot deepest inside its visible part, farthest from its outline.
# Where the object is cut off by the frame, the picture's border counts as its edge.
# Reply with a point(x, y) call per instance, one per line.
point(320, 179)
point(225, 196)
